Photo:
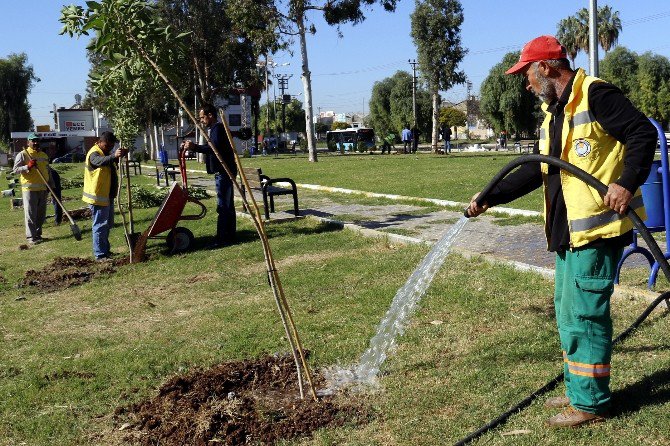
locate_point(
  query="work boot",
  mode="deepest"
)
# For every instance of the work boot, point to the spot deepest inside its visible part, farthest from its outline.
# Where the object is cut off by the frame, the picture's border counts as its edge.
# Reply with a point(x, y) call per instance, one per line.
point(557, 402)
point(572, 417)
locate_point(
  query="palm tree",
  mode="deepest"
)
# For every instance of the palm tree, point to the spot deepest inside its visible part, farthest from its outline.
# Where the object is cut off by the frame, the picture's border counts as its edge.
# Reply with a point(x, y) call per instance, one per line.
point(568, 30)
point(582, 32)
point(609, 26)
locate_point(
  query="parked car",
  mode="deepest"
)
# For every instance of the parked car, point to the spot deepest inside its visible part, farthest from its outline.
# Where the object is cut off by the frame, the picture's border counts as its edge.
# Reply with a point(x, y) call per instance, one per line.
point(71, 157)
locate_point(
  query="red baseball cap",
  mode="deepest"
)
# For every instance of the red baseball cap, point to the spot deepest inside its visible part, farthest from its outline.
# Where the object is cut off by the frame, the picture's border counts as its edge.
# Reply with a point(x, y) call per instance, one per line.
point(540, 48)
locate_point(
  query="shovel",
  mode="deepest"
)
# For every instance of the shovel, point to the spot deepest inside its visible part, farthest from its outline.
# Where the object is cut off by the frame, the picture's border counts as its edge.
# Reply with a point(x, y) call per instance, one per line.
point(76, 232)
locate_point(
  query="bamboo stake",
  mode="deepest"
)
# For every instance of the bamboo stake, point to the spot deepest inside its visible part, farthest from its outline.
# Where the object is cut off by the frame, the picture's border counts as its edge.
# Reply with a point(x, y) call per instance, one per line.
point(277, 288)
point(257, 221)
point(119, 170)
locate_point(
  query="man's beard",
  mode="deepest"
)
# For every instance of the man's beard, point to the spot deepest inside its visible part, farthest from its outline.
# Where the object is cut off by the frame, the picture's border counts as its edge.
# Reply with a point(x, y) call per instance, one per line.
point(547, 92)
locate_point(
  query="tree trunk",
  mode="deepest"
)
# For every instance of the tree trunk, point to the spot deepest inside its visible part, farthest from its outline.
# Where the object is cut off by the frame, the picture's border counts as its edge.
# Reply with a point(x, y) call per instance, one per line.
point(307, 86)
point(436, 122)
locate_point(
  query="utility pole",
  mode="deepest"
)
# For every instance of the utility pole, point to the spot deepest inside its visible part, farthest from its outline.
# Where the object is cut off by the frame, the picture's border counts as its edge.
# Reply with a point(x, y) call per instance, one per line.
point(413, 63)
point(468, 103)
point(285, 99)
point(593, 37)
point(415, 130)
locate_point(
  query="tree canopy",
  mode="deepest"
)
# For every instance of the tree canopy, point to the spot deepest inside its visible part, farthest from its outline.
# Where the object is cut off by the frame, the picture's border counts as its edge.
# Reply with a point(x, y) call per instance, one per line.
point(16, 80)
point(391, 105)
point(436, 31)
point(295, 116)
point(505, 102)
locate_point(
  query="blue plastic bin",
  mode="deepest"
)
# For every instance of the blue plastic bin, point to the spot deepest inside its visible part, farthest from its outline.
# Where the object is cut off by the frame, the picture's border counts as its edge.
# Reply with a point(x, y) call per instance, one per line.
point(652, 195)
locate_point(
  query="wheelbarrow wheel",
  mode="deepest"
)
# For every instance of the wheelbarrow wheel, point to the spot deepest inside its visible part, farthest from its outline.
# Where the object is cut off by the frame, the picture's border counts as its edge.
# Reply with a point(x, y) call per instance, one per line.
point(179, 240)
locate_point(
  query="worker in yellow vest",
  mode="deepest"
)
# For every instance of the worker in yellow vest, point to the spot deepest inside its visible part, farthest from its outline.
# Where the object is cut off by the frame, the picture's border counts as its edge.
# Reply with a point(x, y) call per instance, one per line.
point(592, 125)
point(34, 191)
point(100, 186)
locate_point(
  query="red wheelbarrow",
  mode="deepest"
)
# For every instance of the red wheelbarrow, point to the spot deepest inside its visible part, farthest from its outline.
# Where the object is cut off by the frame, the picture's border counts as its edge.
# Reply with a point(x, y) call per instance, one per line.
point(169, 214)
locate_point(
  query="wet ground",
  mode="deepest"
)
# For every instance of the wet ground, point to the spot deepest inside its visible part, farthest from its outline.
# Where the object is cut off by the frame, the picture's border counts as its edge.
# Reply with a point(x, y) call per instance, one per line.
point(65, 272)
point(236, 403)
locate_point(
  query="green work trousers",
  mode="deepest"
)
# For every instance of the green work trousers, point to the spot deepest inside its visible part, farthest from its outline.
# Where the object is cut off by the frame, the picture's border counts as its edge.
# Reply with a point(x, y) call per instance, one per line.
point(584, 285)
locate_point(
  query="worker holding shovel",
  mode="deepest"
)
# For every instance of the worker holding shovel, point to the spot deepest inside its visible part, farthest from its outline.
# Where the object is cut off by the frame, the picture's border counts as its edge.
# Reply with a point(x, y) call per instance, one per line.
point(30, 163)
point(100, 186)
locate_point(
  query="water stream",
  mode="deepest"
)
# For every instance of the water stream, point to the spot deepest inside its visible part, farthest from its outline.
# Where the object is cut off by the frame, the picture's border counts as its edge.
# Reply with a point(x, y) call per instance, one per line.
point(393, 324)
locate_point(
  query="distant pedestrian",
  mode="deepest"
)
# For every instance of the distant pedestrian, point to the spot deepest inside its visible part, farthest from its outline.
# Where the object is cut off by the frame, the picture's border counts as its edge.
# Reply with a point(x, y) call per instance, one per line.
point(388, 143)
point(406, 137)
point(34, 190)
point(446, 136)
point(415, 139)
point(503, 139)
point(100, 187)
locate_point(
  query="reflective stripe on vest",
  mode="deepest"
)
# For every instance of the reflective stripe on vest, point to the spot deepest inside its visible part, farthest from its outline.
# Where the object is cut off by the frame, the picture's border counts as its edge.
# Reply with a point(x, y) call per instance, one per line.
point(587, 223)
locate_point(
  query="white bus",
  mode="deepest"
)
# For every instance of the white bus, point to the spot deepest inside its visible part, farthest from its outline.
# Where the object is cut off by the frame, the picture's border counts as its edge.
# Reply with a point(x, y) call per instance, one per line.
point(344, 139)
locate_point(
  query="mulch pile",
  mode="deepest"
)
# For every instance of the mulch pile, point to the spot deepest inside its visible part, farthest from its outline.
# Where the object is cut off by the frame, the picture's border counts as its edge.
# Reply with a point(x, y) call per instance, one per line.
point(65, 272)
point(235, 403)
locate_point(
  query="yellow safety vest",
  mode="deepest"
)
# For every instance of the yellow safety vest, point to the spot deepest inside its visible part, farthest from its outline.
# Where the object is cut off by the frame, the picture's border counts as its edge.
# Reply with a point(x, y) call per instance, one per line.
point(588, 146)
point(97, 181)
point(31, 180)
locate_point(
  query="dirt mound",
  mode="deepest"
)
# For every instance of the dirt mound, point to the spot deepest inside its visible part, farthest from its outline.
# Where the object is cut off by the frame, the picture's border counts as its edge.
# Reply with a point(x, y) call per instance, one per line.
point(80, 214)
point(248, 402)
point(65, 272)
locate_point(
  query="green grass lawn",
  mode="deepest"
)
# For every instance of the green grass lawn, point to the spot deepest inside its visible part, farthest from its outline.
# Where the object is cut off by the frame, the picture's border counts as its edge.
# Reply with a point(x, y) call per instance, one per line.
point(483, 338)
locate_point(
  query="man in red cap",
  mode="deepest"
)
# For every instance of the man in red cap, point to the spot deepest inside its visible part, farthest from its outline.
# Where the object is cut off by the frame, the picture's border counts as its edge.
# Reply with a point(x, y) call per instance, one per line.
point(591, 124)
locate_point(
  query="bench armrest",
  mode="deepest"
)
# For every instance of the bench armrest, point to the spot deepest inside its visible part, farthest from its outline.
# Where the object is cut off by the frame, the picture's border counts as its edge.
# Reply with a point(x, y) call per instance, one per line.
point(271, 181)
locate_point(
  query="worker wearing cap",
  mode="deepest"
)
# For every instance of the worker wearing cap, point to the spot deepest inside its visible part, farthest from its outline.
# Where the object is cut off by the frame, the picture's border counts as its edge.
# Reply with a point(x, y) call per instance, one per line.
point(591, 124)
point(34, 190)
point(100, 187)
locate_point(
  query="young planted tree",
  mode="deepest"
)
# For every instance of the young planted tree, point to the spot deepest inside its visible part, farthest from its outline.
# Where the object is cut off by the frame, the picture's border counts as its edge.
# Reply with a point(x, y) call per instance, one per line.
point(436, 31)
point(16, 80)
point(130, 30)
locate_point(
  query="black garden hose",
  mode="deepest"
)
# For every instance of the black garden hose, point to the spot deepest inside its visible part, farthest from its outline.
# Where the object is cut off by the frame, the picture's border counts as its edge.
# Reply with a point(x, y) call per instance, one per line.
point(639, 225)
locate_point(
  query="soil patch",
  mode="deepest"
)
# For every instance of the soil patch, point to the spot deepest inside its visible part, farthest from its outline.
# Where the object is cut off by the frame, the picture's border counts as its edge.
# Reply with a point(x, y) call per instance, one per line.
point(246, 402)
point(65, 272)
point(80, 214)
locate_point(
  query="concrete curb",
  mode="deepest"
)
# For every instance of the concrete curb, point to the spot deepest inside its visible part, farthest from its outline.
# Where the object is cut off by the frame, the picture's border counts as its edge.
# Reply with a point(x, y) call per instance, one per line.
point(497, 209)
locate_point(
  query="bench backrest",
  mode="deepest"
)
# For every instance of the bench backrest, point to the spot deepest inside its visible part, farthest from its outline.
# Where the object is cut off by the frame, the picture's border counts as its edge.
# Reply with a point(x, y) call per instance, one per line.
point(253, 175)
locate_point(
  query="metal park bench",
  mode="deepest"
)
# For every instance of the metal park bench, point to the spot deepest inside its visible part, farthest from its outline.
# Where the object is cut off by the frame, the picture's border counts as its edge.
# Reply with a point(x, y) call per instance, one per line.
point(266, 185)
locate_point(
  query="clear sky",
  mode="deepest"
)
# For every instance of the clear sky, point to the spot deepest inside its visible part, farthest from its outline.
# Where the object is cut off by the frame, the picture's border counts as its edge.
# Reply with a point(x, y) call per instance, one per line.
point(343, 69)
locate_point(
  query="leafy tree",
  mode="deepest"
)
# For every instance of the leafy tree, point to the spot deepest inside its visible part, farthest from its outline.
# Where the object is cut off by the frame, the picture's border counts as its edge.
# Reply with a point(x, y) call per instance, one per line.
point(652, 95)
point(436, 31)
point(335, 13)
point(391, 105)
point(452, 117)
point(339, 126)
point(16, 81)
point(568, 34)
point(380, 107)
point(573, 31)
point(620, 67)
point(609, 27)
point(295, 116)
point(127, 31)
point(321, 128)
point(505, 102)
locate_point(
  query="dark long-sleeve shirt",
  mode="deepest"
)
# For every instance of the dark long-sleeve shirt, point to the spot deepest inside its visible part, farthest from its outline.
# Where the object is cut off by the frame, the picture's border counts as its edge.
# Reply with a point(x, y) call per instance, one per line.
point(620, 119)
point(96, 160)
point(217, 133)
